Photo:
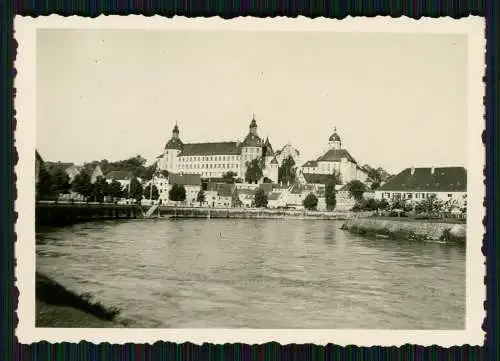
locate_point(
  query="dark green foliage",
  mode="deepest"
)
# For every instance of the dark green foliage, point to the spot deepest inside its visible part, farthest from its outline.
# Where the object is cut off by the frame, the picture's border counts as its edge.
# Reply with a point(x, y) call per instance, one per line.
point(177, 193)
point(311, 202)
point(100, 189)
point(149, 193)
point(115, 189)
point(60, 182)
point(44, 185)
point(229, 177)
point(260, 198)
point(287, 171)
point(330, 196)
point(200, 197)
point(135, 189)
point(254, 170)
point(356, 189)
point(81, 185)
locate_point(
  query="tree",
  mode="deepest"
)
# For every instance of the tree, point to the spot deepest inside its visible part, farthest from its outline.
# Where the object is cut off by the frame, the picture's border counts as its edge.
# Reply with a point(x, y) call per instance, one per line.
point(430, 206)
point(260, 198)
point(254, 170)
point(164, 173)
point(311, 201)
point(44, 185)
point(60, 182)
point(336, 177)
point(135, 189)
point(374, 175)
point(375, 185)
point(146, 173)
point(81, 185)
point(287, 171)
point(115, 189)
point(177, 193)
point(100, 189)
point(356, 189)
point(149, 193)
point(330, 196)
point(200, 197)
point(229, 177)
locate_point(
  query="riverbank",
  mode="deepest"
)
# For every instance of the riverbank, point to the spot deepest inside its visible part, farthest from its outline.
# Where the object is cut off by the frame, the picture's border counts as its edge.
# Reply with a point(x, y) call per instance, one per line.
point(254, 213)
point(57, 214)
point(407, 229)
point(58, 307)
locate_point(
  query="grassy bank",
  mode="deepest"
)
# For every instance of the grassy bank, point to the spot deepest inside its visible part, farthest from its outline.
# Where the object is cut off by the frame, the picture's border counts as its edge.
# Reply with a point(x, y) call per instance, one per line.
point(58, 307)
point(400, 228)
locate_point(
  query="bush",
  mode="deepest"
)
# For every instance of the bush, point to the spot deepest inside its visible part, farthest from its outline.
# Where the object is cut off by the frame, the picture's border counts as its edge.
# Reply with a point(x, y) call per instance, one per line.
point(310, 202)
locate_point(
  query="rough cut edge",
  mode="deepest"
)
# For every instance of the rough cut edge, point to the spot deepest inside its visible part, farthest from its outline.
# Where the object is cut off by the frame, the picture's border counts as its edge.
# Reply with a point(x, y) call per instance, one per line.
point(15, 157)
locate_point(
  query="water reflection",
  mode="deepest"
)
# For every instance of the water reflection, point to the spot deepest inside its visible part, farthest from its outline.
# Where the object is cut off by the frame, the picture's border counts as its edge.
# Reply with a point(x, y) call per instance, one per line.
point(257, 274)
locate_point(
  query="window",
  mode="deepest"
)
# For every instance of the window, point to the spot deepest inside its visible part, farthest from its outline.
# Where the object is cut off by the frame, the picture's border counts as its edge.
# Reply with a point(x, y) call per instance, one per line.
point(449, 195)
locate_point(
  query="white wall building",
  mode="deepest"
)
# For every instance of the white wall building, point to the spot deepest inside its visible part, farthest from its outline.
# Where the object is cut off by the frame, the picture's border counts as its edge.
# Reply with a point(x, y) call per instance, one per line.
point(416, 184)
point(212, 160)
point(335, 159)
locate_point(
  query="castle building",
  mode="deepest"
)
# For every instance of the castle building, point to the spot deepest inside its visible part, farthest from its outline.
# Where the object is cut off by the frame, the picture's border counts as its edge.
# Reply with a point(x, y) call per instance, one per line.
point(335, 160)
point(212, 160)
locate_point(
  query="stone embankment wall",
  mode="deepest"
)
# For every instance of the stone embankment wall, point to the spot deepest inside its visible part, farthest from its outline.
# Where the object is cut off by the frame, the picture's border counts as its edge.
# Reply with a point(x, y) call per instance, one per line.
point(417, 230)
point(250, 213)
point(66, 213)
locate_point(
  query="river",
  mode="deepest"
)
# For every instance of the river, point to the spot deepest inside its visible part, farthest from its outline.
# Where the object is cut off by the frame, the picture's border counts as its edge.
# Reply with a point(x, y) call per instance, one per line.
point(257, 274)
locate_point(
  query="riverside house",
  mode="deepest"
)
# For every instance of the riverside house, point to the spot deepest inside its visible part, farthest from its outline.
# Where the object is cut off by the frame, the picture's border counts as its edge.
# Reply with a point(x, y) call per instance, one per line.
point(416, 184)
point(191, 183)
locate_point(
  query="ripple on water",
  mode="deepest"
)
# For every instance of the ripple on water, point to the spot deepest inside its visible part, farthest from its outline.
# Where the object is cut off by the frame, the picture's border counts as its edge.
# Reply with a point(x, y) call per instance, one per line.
point(257, 274)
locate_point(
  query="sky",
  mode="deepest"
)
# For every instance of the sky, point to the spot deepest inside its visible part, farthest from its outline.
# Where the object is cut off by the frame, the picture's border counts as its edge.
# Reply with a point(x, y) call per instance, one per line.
point(397, 100)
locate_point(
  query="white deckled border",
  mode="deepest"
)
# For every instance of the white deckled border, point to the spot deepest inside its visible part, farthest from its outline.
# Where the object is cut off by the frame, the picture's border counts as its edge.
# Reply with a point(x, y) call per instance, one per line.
point(25, 34)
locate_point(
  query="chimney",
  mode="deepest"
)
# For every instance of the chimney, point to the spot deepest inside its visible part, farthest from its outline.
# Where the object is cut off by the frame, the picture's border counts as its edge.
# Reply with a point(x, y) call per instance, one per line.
point(432, 171)
point(412, 171)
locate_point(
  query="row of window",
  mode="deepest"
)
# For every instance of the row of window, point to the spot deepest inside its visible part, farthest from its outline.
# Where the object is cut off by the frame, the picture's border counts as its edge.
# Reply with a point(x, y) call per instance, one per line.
point(208, 158)
point(207, 174)
point(410, 195)
point(206, 166)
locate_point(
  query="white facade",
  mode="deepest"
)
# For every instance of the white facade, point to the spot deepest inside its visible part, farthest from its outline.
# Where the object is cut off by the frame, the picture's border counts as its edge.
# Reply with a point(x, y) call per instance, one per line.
point(336, 159)
point(212, 160)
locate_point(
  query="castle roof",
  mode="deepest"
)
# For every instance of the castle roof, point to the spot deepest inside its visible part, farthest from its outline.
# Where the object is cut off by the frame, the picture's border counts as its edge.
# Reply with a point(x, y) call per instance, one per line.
point(335, 155)
point(174, 143)
point(334, 137)
point(268, 148)
point(446, 179)
point(218, 148)
point(274, 161)
point(252, 140)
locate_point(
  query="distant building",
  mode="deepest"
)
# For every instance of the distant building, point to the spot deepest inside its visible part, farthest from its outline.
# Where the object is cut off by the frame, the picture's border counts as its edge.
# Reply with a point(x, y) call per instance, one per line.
point(288, 150)
point(221, 195)
point(335, 159)
point(212, 160)
point(38, 165)
point(191, 183)
point(446, 183)
point(122, 177)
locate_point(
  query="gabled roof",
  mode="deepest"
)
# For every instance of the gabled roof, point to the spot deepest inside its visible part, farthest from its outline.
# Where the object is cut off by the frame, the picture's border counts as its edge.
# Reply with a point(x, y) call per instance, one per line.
point(268, 148)
point(274, 161)
point(274, 196)
point(219, 148)
point(185, 179)
point(313, 178)
point(335, 155)
point(445, 179)
point(119, 175)
point(310, 163)
point(174, 143)
point(267, 187)
point(222, 189)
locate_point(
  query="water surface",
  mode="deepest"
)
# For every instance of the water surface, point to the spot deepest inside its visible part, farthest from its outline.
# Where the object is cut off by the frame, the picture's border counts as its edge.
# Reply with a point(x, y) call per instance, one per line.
point(257, 274)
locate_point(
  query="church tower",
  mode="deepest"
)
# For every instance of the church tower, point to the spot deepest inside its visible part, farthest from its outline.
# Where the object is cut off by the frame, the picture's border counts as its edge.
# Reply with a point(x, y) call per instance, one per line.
point(334, 142)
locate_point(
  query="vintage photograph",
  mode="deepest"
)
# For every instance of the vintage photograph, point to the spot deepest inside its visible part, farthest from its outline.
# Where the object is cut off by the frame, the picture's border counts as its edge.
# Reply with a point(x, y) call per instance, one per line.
point(243, 179)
